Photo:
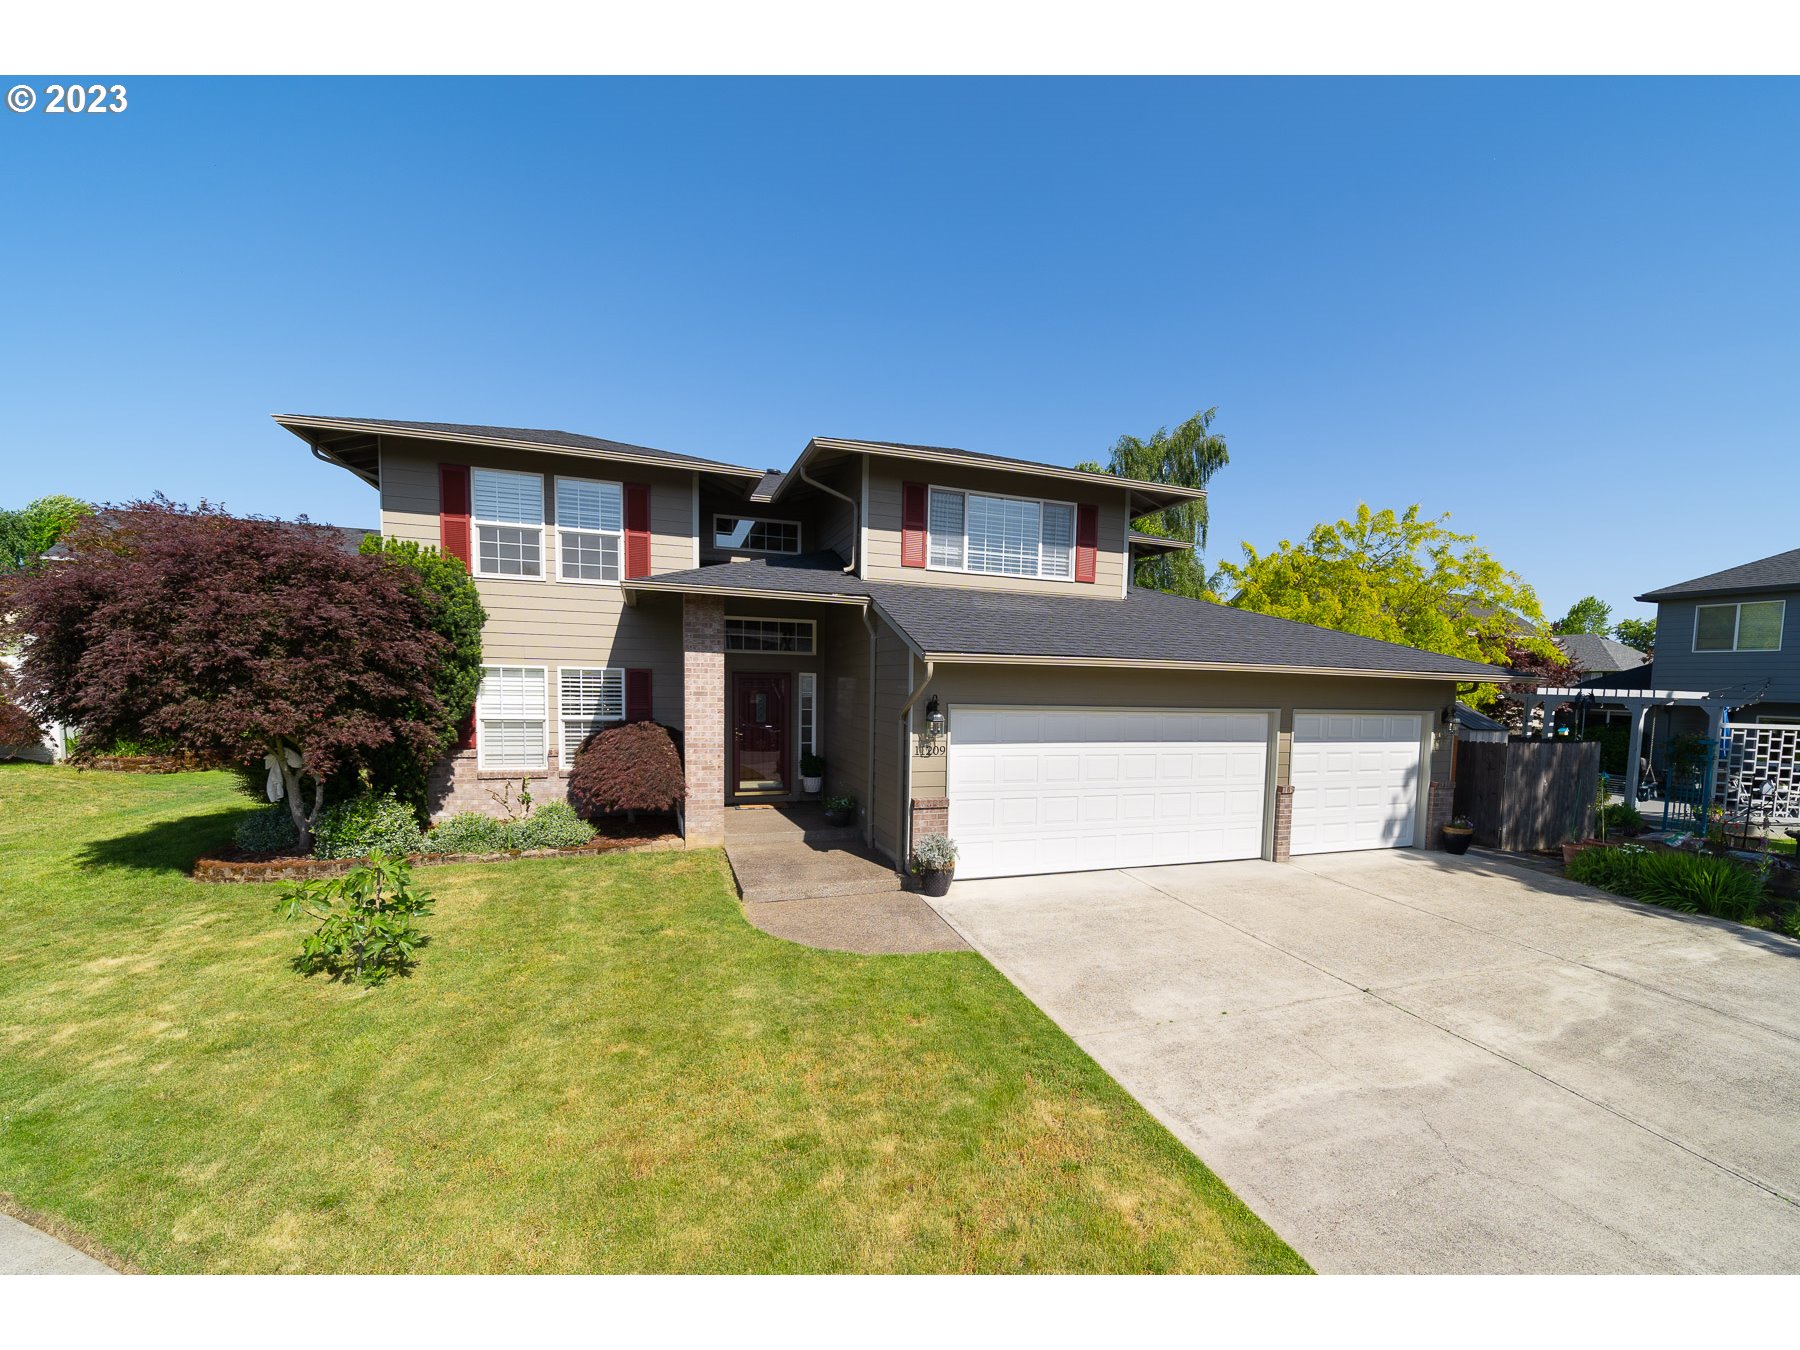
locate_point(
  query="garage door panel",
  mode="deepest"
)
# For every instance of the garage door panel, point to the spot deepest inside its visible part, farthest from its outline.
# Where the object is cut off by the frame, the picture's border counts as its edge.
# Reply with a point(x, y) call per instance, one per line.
point(1356, 781)
point(1068, 789)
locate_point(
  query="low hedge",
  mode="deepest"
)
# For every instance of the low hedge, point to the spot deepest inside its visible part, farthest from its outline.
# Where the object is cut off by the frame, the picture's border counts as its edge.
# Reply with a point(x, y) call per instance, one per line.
point(352, 828)
point(553, 826)
point(1692, 883)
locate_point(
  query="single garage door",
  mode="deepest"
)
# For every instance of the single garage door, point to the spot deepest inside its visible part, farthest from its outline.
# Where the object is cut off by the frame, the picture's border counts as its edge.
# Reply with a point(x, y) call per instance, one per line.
point(1356, 781)
point(1073, 789)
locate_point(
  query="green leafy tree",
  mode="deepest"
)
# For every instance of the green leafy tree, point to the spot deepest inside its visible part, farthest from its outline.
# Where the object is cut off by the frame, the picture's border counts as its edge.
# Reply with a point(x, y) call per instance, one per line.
point(28, 534)
point(454, 612)
point(1188, 456)
point(1639, 633)
point(367, 921)
point(1590, 614)
point(1399, 577)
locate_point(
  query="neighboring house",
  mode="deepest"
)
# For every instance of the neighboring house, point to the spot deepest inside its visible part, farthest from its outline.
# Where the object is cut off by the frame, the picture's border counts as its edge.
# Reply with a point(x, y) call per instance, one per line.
point(1590, 654)
point(954, 633)
point(52, 746)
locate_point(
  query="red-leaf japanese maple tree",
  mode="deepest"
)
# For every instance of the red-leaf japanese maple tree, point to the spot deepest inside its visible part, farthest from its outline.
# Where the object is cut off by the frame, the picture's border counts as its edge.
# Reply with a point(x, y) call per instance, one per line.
point(262, 642)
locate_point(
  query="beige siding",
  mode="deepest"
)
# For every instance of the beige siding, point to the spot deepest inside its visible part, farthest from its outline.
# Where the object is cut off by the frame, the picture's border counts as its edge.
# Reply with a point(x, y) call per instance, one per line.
point(844, 643)
point(1102, 687)
point(893, 676)
point(886, 480)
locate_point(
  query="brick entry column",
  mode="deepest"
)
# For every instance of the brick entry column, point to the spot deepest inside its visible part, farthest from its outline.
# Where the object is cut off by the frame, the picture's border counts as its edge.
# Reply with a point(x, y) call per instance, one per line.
point(1284, 820)
point(1439, 802)
point(703, 718)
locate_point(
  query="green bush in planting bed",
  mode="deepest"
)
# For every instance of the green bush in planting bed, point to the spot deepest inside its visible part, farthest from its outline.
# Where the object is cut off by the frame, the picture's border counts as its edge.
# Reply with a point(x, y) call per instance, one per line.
point(356, 827)
point(552, 826)
point(468, 832)
point(1693, 883)
point(270, 830)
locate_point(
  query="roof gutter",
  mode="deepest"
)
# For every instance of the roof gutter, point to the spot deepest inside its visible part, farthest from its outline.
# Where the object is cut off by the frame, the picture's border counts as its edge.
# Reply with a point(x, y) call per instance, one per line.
point(855, 521)
point(327, 457)
point(1478, 675)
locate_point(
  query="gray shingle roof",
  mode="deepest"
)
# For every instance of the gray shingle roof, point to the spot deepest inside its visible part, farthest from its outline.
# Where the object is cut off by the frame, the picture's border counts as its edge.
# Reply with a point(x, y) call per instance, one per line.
point(1592, 654)
point(1147, 626)
point(1779, 571)
point(1474, 721)
point(550, 440)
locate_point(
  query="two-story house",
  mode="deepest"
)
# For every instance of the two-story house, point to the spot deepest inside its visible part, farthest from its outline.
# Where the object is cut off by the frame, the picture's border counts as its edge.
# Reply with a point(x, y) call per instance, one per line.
point(955, 634)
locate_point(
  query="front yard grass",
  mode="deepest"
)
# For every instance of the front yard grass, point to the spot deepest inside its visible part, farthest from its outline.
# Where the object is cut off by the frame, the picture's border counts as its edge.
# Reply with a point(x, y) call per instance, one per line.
point(598, 1066)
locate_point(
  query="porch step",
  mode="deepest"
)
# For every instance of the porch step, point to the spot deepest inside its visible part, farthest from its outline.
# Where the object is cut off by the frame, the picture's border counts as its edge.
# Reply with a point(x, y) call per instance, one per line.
point(774, 870)
point(756, 827)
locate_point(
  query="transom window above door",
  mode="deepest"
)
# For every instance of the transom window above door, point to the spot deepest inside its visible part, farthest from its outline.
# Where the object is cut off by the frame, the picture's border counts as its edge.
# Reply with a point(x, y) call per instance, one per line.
point(590, 529)
point(508, 516)
point(770, 635)
point(756, 536)
point(1001, 536)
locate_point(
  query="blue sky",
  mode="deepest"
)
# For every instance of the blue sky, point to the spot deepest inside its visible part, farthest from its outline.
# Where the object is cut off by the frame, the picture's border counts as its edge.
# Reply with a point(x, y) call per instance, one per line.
point(1564, 312)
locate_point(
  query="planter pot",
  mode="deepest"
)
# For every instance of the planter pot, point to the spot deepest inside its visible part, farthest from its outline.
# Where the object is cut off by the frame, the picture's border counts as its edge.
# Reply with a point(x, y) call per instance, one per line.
point(935, 883)
point(1457, 841)
point(839, 818)
point(812, 786)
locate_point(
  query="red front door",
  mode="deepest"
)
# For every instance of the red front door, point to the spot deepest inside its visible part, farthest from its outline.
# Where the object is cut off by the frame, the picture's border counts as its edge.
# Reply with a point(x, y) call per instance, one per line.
point(759, 732)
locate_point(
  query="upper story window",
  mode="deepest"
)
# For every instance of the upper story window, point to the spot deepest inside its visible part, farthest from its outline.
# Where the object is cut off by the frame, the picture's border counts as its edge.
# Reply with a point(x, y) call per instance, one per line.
point(756, 536)
point(1001, 536)
point(1751, 626)
point(590, 529)
point(770, 635)
point(508, 516)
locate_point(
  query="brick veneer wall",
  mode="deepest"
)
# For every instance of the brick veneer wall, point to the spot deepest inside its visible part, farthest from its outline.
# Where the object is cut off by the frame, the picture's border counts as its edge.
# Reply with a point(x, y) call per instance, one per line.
point(1284, 821)
point(703, 721)
point(1438, 809)
point(930, 815)
point(459, 784)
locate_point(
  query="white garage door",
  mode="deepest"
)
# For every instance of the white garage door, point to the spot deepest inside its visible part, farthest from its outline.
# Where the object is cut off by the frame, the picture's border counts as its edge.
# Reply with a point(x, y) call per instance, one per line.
point(1356, 781)
point(1072, 789)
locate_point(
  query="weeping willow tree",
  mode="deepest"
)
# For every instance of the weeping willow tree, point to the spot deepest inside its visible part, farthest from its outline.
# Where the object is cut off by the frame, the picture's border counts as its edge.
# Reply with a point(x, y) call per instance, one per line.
point(1188, 457)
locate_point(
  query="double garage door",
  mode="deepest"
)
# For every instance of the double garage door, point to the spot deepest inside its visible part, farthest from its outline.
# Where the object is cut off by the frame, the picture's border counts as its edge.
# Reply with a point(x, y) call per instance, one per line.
point(1074, 789)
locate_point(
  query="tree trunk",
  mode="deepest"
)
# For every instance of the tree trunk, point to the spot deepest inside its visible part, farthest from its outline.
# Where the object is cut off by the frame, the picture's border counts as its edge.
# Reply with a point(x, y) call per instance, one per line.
point(303, 819)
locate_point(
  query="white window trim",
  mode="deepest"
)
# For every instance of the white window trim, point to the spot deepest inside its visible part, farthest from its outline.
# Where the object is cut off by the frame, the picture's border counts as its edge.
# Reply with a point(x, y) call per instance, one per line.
point(1737, 620)
point(562, 721)
point(813, 624)
point(546, 565)
point(806, 685)
point(1040, 502)
point(481, 740)
point(556, 572)
point(755, 520)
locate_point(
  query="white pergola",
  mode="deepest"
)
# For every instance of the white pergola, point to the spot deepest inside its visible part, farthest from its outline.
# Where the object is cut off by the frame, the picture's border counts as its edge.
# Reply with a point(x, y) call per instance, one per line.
point(1637, 703)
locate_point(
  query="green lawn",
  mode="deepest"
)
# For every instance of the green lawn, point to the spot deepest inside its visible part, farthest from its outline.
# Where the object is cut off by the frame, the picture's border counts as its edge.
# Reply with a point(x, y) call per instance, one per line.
point(598, 1066)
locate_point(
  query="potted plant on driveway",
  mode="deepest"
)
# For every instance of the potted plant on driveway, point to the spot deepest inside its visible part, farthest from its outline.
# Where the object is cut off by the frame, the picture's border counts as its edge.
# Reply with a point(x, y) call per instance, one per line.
point(934, 863)
point(840, 810)
point(1458, 835)
point(812, 773)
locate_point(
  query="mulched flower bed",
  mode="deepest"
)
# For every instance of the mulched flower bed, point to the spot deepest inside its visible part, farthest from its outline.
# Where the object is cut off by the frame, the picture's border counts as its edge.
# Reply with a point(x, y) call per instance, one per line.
point(175, 762)
point(236, 864)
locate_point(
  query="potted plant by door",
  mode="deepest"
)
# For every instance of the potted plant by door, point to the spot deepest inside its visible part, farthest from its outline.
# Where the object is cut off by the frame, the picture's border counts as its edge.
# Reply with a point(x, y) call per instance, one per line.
point(934, 863)
point(812, 773)
point(840, 810)
point(1458, 835)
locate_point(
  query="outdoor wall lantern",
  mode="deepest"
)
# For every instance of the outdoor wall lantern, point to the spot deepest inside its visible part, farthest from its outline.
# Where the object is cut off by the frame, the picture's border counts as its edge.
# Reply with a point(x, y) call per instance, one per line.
point(932, 742)
point(1449, 716)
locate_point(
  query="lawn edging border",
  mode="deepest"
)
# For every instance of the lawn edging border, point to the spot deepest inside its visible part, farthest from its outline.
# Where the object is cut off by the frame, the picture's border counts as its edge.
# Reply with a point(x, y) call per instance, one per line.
point(227, 870)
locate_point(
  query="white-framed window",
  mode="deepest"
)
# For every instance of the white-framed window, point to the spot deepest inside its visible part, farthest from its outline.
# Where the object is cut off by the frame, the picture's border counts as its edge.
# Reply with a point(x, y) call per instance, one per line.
point(507, 511)
point(771, 635)
point(1745, 626)
point(1000, 536)
point(807, 712)
point(590, 529)
point(512, 710)
point(587, 698)
point(743, 534)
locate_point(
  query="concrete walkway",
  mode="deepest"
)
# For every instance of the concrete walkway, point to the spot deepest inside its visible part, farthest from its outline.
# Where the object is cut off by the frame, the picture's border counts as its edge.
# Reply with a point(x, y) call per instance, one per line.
point(26, 1251)
point(1410, 1062)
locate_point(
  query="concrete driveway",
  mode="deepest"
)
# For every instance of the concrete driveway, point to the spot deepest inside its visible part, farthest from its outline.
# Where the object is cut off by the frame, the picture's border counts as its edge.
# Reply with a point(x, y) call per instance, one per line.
point(1410, 1062)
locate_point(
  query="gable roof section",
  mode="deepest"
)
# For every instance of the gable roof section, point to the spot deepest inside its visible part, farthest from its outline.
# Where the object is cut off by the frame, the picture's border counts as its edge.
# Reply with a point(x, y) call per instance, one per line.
point(1147, 628)
point(1592, 654)
point(1778, 572)
point(1474, 721)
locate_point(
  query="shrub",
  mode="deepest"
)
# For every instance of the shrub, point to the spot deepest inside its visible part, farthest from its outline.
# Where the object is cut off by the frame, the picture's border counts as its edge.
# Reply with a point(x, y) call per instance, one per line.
point(364, 823)
point(367, 927)
point(1626, 817)
point(934, 853)
point(627, 768)
point(842, 801)
point(811, 765)
point(552, 826)
point(1611, 869)
point(1696, 884)
point(467, 832)
point(270, 830)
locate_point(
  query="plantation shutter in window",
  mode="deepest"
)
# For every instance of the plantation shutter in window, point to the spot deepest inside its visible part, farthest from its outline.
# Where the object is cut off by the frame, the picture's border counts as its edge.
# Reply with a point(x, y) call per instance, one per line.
point(637, 696)
point(453, 511)
point(1087, 541)
point(912, 525)
point(637, 529)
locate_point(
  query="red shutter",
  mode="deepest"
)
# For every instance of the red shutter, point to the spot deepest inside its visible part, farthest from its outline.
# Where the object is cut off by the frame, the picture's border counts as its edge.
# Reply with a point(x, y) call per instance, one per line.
point(637, 696)
point(453, 511)
point(637, 530)
point(467, 742)
point(1087, 541)
point(912, 525)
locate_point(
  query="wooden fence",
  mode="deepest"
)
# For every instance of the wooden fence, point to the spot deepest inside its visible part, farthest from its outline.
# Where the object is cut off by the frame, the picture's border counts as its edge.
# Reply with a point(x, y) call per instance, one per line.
point(1528, 794)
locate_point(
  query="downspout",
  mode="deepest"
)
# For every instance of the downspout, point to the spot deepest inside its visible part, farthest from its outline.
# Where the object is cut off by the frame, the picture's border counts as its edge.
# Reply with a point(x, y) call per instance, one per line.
point(855, 524)
point(904, 836)
point(869, 815)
